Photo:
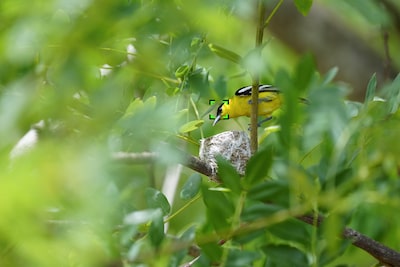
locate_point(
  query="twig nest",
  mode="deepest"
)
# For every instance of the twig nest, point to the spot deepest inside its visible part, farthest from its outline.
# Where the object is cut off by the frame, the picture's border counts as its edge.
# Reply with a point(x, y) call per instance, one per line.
point(234, 146)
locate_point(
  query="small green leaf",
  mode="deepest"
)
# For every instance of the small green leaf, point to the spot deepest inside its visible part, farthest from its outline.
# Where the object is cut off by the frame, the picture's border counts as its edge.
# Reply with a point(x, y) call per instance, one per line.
point(370, 94)
point(155, 199)
point(258, 167)
point(278, 254)
point(303, 6)
point(191, 126)
point(394, 95)
point(228, 175)
point(171, 91)
point(330, 75)
point(181, 71)
point(191, 187)
point(225, 53)
point(156, 231)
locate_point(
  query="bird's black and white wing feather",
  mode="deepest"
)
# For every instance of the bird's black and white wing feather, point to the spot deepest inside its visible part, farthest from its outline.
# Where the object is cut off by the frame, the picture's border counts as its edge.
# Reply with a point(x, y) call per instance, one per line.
point(246, 90)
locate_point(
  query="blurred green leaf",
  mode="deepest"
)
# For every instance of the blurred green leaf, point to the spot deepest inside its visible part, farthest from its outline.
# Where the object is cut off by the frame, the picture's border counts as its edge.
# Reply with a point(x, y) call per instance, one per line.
point(182, 71)
point(278, 254)
point(371, 87)
point(156, 230)
point(240, 258)
point(220, 209)
point(155, 199)
point(191, 187)
point(258, 210)
point(228, 175)
point(138, 105)
point(303, 6)
point(258, 167)
point(191, 126)
point(271, 191)
point(140, 216)
point(292, 230)
point(225, 53)
point(213, 251)
point(328, 77)
point(305, 71)
point(371, 11)
point(393, 92)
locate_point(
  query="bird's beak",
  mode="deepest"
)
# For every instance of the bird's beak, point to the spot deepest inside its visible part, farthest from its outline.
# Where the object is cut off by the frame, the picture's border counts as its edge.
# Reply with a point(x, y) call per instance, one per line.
point(217, 118)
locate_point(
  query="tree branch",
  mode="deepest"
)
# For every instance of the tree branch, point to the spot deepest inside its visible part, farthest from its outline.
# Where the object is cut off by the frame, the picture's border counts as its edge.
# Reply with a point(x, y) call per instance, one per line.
point(189, 161)
point(384, 254)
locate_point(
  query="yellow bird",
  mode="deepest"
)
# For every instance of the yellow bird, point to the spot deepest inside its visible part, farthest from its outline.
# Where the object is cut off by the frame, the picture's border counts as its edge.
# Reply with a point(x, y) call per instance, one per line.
point(269, 100)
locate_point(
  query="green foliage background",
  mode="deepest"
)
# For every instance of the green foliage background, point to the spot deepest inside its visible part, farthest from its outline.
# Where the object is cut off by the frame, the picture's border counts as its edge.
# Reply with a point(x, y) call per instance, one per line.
point(67, 203)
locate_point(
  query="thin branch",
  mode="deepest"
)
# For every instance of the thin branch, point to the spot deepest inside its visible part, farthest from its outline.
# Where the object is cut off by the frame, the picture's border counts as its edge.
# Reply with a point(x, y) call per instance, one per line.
point(277, 6)
point(189, 161)
point(134, 158)
point(382, 253)
point(256, 79)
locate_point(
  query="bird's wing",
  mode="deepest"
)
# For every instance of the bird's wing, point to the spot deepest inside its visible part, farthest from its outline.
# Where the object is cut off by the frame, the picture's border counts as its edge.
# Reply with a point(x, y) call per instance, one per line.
point(246, 90)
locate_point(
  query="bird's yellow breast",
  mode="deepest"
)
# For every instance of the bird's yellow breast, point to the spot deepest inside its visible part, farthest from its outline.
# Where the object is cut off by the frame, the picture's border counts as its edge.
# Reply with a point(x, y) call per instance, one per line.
point(238, 106)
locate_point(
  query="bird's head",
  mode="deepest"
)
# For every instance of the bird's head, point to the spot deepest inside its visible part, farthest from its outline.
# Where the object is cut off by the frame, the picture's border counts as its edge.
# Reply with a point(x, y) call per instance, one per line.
point(220, 113)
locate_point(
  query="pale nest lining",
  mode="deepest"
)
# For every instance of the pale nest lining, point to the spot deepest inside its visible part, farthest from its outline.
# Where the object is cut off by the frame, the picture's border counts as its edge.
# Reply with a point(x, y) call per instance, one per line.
point(234, 146)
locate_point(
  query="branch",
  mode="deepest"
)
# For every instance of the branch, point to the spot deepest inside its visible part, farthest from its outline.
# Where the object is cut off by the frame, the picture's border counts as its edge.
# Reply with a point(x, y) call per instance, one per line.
point(256, 80)
point(382, 253)
point(188, 160)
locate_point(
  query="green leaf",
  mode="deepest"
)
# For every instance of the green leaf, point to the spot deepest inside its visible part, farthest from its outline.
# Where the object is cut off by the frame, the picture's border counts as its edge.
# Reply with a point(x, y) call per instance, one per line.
point(285, 256)
point(258, 167)
point(191, 187)
point(275, 191)
point(139, 105)
point(225, 53)
point(370, 94)
point(394, 95)
point(139, 217)
point(171, 91)
point(156, 231)
point(328, 255)
point(373, 13)
point(155, 199)
point(213, 251)
point(240, 258)
point(330, 75)
point(191, 126)
point(182, 71)
point(228, 175)
point(303, 6)
point(292, 230)
point(258, 210)
point(305, 71)
point(219, 208)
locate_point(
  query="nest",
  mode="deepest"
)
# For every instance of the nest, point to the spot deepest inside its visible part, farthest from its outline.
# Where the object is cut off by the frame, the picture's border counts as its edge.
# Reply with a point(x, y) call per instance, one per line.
point(234, 146)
